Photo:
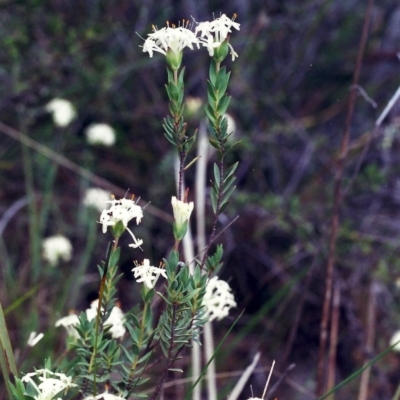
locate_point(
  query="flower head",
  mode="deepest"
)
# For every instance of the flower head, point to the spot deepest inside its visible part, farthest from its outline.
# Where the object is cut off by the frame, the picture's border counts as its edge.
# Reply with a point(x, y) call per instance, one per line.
point(100, 134)
point(218, 299)
point(121, 211)
point(63, 111)
point(170, 41)
point(56, 248)
point(147, 274)
point(116, 321)
point(214, 36)
point(96, 198)
point(48, 384)
point(105, 396)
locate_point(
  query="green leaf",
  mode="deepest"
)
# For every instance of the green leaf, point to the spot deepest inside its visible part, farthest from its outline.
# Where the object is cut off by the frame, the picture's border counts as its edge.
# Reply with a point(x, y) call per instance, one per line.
point(213, 72)
point(114, 257)
point(7, 361)
point(170, 75)
point(164, 298)
point(147, 316)
point(173, 259)
point(228, 183)
point(217, 175)
point(210, 114)
point(222, 81)
point(230, 171)
point(148, 294)
point(214, 197)
point(134, 333)
point(170, 138)
point(173, 91)
point(228, 194)
point(215, 143)
point(180, 77)
point(234, 145)
point(223, 104)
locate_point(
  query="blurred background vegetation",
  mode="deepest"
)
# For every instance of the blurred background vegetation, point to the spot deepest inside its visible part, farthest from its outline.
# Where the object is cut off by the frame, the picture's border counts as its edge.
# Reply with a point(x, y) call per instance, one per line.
point(290, 88)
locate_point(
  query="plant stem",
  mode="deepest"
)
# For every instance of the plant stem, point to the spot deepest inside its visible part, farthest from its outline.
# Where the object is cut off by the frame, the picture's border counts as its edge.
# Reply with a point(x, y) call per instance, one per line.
point(93, 364)
point(336, 208)
point(169, 357)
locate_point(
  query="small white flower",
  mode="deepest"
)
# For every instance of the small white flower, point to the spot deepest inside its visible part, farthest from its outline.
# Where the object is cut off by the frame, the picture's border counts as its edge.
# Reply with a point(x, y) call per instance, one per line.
point(136, 242)
point(51, 383)
point(96, 198)
point(121, 210)
point(56, 248)
point(69, 322)
point(174, 39)
point(116, 319)
point(395, 339)
point(182, 210)
point(63, 111)
point(105, 396)
point(147, 274)
point(34, 338)
point(214, 33)
point(101, 134)
point(218, 299)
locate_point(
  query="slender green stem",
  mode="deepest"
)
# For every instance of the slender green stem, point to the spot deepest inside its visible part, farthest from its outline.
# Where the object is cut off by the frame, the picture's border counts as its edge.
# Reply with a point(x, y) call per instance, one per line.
point(7, 362)
point(140, 341)
point(93, 364)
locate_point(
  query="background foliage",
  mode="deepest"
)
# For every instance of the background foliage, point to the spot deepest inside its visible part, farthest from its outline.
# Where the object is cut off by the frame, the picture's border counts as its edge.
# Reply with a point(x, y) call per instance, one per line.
point(289, 90)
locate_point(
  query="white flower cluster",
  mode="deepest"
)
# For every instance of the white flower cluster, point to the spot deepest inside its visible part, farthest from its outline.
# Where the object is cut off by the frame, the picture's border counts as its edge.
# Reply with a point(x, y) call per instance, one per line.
point(218, 299)
point(116, 321)
point(100, 134)
point(105, 396)
point(122, 210)
point(212, 35)
point(51, 383)
point(147, 274)
point(56, 248)
point(96, 198)
point(63, 112)
point(173, 38)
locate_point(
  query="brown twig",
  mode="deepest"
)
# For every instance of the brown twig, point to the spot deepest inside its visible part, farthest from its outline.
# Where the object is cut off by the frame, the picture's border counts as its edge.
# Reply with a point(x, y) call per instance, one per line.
point(83, 172)
point(369, 343)
point(333, 338)
point(336, 207)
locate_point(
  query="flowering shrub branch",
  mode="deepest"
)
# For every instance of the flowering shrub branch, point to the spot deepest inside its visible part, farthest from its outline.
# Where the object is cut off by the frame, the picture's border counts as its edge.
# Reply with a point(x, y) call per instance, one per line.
point(109, 353)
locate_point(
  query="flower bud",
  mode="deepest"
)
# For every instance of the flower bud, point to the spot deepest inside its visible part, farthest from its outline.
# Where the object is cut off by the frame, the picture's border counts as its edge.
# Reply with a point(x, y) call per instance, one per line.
point(182, 213)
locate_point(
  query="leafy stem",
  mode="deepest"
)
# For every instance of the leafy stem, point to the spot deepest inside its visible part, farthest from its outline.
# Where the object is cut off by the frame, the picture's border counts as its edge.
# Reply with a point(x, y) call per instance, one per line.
point(169, 355)
point(92, 365)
